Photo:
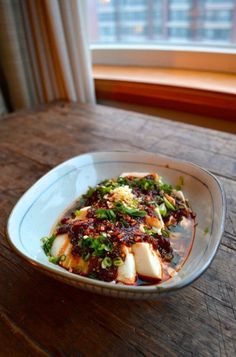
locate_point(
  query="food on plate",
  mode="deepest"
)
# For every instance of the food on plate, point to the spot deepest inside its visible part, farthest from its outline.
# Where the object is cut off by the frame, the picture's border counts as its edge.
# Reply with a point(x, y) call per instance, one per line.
point(134, 230)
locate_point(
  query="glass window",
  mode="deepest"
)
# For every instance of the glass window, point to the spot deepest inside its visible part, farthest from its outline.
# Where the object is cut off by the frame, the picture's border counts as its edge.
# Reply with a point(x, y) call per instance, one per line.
point(134, 16)
point(179, 15)
point(219, 1)
point(180, 1)
point(132, 2)
point(156, 22)
point(107, 31)
point(216, 35)
point(178, 33)
point(106, 16)
point(218, 15)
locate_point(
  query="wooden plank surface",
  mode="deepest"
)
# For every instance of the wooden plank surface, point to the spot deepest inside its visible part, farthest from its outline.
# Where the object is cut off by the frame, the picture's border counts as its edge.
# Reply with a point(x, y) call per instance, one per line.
point(40, 316)
point(203, 80)
point(191, 100)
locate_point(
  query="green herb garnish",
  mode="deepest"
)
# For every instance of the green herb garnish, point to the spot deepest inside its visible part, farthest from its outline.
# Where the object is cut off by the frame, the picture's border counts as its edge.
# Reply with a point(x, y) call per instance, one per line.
point(90, 192)
point(54, 260)
point(149, 231)
point(62, 258)
point(94, 246)
point(77, 212)
point(165, 233)
point(86, 256)
point(117, 262)
point(122, 181)
point(163, 210)
point(166, 188)
point(168, 204)
point(133, 212)
point(47, 244)
point(106, 263)
point(106, 214)
point(103, 190)
point(146, 183)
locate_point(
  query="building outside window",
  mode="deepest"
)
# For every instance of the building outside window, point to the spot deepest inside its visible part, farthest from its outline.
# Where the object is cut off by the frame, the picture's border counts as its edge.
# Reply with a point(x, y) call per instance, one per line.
point(163, 21)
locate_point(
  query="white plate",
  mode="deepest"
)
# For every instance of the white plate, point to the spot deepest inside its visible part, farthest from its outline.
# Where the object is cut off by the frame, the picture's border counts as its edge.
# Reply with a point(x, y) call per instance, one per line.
point(39, 208)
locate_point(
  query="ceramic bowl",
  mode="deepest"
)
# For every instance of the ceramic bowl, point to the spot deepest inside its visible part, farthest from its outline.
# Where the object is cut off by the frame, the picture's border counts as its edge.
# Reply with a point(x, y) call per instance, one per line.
point(39, 208)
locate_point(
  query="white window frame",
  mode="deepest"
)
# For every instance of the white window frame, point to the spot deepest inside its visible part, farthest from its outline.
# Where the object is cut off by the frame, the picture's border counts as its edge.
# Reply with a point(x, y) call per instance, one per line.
point(220, 59)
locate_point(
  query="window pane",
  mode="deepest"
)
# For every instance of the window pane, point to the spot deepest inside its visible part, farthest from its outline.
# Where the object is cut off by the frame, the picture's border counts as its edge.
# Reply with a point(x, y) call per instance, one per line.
point(191, 22)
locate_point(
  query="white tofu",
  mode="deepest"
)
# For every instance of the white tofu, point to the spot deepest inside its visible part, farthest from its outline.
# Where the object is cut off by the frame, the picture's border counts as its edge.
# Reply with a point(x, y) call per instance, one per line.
point(126, 273)
point(135, 174)
point(61, 245)
point(179, 195)
point(147, 262)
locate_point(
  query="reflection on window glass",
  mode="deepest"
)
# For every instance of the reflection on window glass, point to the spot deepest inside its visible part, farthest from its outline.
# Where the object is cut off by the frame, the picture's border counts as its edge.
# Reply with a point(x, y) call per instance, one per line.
point(107, 16)
point(179, 15)
point(163, 21)
point(134, 16)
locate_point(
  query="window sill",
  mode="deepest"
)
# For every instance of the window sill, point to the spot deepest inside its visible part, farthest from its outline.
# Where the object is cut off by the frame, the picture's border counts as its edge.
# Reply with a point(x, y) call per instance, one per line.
point(198, 92)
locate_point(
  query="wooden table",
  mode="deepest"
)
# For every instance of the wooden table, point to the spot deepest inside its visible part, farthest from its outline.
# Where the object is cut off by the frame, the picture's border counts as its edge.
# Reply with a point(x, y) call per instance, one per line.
point(40, 316)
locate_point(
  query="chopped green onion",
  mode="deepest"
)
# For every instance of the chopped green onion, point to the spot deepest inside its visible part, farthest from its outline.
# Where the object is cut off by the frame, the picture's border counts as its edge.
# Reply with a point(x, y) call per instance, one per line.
point(95, 246)
point(47, 244)
point(106, 263)
point(106, 214)
point(54, 260)
point(152, 203)
point(163, 210)
point(86, 257)
point(104, 247)
point(103, 190)
point(133, 212)
point(90, 192)
point(117, 262)
point(166, 188)
point(62, 258)
point(168, 204)
point(122, 181)
point(146, 183)
point(148, 231)
point(165, 233)
point(78, 212)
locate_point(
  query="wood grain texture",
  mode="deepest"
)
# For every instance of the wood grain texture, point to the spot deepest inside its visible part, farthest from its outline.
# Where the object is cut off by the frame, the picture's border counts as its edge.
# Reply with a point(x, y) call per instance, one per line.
point(203, 80)
point(40, 316)
point(171, 96)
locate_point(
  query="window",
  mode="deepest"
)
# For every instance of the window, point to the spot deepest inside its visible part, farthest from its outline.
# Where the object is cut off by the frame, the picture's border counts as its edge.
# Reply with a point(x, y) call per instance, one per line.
point(179, 15)
point(136, 21)
point(200, 26)
point(133, 16)
point(106, 16)
point(178, 33)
